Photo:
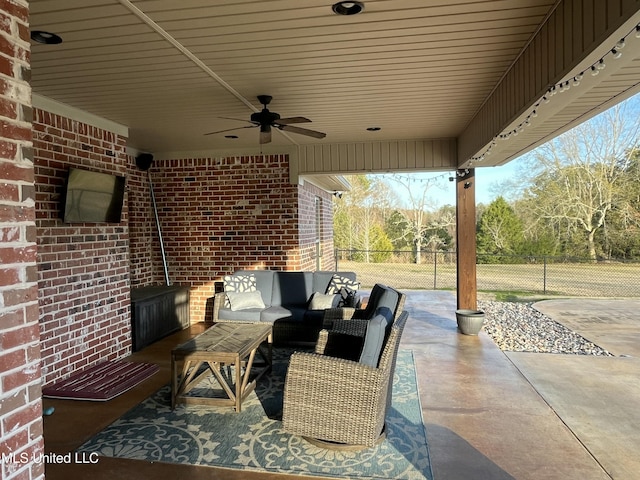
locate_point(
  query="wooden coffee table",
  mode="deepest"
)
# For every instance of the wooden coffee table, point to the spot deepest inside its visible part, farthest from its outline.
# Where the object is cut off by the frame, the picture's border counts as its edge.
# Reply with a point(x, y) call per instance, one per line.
point(224, 344)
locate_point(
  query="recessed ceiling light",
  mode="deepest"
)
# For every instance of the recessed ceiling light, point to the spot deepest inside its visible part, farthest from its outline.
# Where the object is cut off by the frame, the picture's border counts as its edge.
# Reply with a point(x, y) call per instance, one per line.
point(374, 129)
point(48, 38)
point(347, 8)
point(231, 136)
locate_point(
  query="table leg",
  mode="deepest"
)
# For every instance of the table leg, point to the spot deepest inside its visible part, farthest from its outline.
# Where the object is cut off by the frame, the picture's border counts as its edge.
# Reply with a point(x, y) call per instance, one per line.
point(174, 381)
point(239, 383)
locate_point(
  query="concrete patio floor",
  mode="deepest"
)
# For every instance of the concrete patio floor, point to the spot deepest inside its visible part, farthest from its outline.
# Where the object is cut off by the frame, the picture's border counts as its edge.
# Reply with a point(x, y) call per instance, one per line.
point(495, 415)
point(489, 415)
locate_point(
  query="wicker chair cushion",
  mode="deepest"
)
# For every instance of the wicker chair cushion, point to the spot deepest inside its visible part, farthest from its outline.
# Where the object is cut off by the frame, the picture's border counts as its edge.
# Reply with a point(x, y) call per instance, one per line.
point(343, 345)
point(373, 340)
point(388, 303)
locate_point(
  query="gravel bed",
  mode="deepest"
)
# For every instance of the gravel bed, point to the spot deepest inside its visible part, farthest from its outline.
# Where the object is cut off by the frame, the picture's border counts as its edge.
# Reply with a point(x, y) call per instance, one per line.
point(518, 327)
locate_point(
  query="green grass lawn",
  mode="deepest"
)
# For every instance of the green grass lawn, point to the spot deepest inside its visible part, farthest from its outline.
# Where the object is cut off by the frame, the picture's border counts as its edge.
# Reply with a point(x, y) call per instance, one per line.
point(569, 279)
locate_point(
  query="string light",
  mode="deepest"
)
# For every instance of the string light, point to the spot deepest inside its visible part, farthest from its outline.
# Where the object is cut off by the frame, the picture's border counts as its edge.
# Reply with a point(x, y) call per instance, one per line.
point(560, 87)
point(430, 180)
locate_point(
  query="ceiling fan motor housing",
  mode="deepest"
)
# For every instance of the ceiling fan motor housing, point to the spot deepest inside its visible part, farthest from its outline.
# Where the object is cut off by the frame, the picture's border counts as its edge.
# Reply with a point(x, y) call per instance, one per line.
point(264, 117)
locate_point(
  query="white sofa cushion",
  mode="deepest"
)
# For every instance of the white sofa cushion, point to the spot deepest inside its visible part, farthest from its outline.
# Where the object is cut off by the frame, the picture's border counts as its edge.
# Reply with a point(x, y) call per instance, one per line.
point(320, 301)
point(244, 300)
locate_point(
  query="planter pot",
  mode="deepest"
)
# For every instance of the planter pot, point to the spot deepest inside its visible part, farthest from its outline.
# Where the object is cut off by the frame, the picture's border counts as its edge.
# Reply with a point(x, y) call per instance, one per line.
point(470, 321)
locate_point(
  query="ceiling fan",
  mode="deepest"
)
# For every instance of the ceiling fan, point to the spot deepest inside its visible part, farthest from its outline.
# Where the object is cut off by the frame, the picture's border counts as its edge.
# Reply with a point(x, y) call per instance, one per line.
point(266, 119)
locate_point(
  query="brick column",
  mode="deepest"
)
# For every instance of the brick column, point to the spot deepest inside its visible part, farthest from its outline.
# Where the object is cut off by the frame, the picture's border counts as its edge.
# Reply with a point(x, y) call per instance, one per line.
point(20, 393)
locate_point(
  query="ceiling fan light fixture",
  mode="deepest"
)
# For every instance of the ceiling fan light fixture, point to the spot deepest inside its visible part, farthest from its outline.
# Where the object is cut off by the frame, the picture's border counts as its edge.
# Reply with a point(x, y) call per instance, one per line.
point(47, 38)
point(347, 8)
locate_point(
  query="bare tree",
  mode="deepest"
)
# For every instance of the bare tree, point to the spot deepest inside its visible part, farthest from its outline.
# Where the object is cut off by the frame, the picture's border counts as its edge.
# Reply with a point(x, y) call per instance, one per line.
point(359, 211)
point(578, 177)
point(416, 217)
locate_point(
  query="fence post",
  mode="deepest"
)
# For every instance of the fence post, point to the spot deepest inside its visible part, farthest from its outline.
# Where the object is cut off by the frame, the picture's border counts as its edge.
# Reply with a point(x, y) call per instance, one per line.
point(544, 275)
point(335, 254)
point(435, 269)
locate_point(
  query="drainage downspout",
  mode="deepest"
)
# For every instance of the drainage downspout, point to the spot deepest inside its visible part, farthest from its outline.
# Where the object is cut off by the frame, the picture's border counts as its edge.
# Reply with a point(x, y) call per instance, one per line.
point(144, 161)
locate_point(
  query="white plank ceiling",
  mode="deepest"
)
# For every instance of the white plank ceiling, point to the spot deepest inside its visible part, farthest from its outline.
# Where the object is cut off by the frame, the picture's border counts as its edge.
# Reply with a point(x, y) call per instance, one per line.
point(170, 69)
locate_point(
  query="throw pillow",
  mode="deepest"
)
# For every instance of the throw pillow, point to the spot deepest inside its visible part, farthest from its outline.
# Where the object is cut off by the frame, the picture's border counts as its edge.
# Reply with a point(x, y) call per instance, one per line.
point(339, 281)
point(373, 340)
point(244, 300)
point(347, 297)
point(320, 301)
point(238, 283)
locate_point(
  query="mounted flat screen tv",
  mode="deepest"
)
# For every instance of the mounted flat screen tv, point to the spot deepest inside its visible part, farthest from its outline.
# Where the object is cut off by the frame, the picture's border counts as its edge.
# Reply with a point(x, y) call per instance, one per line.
point(93, 197)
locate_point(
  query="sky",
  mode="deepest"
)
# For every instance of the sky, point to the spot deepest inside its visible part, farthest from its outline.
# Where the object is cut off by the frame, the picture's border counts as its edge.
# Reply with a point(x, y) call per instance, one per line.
point(489, 181)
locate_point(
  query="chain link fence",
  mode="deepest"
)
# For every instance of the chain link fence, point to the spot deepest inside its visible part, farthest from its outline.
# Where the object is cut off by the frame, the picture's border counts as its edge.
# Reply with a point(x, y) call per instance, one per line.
point(495, 273)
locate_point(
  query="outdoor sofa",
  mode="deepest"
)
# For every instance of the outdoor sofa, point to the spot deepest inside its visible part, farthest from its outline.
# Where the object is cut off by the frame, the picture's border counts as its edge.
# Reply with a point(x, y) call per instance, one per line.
point(294, 302)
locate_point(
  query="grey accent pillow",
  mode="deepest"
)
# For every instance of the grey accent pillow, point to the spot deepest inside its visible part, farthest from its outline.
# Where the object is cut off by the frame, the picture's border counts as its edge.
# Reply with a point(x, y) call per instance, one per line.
point(373, 340)
point(321, 301)
point(238, 283)
point(244, 300)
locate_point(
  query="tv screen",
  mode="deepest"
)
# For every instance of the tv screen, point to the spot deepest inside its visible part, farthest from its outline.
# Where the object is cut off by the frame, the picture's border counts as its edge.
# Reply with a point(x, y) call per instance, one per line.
point(93, 197)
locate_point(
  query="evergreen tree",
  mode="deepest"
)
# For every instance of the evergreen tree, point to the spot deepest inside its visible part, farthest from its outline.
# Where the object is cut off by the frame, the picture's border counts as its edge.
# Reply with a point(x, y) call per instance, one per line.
point(499, 231)
point(396, 228)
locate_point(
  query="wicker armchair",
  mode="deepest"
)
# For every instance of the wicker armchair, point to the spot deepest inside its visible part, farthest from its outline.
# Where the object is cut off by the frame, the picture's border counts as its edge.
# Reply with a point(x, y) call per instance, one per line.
point(353, 321)
point(338, 403)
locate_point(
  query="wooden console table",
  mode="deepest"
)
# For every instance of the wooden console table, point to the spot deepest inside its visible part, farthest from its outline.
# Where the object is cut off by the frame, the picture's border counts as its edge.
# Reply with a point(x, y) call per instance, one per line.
point(233, 344)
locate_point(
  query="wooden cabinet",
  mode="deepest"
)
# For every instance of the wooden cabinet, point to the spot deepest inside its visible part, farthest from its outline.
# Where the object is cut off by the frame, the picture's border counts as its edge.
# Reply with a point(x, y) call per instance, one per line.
point(157, 311)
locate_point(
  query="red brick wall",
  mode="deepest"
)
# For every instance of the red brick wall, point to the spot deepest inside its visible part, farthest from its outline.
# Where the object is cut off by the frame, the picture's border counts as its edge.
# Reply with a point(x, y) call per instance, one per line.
point(83, 268)
point(307, 196)
point(144, 251)
point(219, 215)
point(20, 393)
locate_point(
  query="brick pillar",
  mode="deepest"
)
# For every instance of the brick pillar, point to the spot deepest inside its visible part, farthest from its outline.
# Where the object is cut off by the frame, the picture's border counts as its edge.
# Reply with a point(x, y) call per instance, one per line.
point(20, 392)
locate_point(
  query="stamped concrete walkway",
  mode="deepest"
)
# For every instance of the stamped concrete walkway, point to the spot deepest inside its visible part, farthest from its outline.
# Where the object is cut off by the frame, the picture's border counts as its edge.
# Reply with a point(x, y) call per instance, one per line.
point(598, 398)
point(495, 415)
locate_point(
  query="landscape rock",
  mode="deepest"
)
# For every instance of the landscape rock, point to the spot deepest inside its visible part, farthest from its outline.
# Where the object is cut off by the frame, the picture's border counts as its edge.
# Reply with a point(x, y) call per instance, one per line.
point(518, 327)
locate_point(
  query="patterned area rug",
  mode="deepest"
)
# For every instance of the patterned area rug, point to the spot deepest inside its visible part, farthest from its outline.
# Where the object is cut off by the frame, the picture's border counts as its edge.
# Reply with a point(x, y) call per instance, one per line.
point(253, 439)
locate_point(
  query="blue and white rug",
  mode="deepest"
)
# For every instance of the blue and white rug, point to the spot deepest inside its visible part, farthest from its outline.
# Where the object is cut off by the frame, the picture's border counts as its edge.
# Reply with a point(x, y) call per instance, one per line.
point(253, 439)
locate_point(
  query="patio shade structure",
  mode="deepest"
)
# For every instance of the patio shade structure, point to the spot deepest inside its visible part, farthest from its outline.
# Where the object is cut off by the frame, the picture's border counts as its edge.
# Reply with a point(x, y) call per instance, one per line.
point(406, 86)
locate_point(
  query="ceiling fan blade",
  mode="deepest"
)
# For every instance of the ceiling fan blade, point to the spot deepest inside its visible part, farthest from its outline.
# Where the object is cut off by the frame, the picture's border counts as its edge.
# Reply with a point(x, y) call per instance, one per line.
point(290, 120)
point(237, 119)
point(302, 131)
point(230, 129)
